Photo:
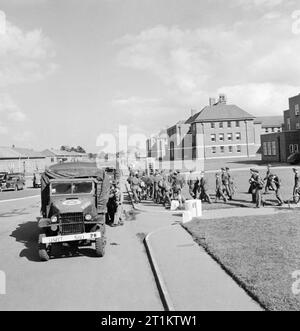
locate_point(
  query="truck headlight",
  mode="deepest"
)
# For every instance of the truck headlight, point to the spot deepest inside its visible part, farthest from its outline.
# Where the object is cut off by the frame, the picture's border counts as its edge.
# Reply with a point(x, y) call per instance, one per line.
point(53, 219)
point(88, 217)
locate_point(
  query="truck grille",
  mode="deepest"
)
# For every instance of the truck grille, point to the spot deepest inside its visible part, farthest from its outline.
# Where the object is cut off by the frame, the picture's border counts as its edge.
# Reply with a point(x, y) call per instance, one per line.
point(71, 223)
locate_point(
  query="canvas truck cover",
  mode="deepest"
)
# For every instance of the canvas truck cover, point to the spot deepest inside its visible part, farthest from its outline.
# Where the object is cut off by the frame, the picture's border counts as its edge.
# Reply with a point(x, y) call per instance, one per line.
point(73, 170)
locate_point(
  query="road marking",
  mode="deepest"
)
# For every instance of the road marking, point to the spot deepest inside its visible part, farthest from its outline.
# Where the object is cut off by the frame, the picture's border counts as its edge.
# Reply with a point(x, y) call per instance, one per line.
point(17, 199)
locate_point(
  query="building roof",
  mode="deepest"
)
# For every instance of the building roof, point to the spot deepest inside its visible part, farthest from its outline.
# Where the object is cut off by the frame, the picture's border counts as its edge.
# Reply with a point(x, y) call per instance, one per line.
point(58, 153)
point(16, 153)
point(220, 112)
point(270, 121)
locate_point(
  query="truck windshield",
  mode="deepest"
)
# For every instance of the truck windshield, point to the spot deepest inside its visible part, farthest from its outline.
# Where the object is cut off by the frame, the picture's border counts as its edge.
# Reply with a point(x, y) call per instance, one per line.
point(61, 188)
point(82, 187)
point(71, 188)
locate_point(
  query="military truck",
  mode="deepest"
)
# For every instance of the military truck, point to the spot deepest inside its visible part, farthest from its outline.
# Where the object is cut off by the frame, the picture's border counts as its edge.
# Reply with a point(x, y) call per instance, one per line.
point(73, 198)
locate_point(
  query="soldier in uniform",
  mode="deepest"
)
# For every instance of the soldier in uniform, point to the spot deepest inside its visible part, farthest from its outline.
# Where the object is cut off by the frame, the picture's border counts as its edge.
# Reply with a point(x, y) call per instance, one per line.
point(226, 183)
point(275, 184)
point(296, 189)
point(257, 185)
point(231, 183)
point(204, 188)
point(219, 188)
point(268, 179)
point(135, 185)
point(115, 205)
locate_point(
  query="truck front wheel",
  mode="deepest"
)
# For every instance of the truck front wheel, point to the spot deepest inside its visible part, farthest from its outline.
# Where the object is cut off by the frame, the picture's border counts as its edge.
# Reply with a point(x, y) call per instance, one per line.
point(100, 243)
point(43, 254)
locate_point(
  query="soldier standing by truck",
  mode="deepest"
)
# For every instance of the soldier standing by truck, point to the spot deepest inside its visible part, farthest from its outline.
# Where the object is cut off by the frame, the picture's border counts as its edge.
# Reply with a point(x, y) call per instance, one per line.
point(115, 205)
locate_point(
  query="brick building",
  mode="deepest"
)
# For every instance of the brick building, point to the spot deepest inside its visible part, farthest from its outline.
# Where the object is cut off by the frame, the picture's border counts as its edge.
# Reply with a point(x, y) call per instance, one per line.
point(277, 147)
point(217, 131)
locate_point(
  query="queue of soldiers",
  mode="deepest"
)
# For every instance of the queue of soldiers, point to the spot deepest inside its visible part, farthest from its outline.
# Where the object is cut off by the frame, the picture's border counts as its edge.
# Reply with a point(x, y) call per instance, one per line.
point(164, 186)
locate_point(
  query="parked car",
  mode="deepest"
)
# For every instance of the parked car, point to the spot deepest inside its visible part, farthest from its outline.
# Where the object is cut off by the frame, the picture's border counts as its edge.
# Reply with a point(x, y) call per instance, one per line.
point(74, 199)
point(294, 158)
point(37, 179)
point(13, 181)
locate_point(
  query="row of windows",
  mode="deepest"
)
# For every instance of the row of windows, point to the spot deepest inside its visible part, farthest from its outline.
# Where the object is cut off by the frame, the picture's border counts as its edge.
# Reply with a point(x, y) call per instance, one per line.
point(269, 130)
point(297, 110)
point(238, 149)
point(269, 148)
point(221, 136)
point(229, 124)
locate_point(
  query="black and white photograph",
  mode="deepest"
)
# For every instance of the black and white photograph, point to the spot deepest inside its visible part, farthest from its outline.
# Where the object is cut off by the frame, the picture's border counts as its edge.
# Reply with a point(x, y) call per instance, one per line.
point(149, 159)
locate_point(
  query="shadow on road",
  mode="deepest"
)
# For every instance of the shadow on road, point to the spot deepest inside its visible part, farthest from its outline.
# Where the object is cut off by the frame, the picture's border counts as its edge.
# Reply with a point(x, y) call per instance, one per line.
point(27, 234)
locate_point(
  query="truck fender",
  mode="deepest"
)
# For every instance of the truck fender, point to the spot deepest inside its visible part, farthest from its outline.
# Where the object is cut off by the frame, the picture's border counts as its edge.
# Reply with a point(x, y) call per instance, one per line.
point(43, 222)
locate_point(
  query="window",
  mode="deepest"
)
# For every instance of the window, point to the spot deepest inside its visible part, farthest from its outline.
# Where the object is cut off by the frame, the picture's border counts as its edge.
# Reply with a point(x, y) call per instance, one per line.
point(172, 155)
point(238, 136)
point(229, 136)
point(214, 150)
point(230, 148)
point(221, 136)
point(229, 124)
point(289, 124)
point(274, 148)
point(222, 149)
point(221, 125)
point(297, 111)
point(239, 148)
point(269, 146)
point(265, 148)
point(237, 124)
point(212, 125)
point(291, 149)
point(213, 137)
point(297, 126)
point(296, 148)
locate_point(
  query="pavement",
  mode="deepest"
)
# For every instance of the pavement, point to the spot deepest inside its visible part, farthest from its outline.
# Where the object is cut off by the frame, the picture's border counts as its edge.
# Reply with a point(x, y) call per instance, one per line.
point(188, 278)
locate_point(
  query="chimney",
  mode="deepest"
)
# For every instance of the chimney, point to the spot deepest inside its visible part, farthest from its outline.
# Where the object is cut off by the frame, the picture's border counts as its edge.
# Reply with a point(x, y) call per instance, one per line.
point(212, 102)
point(193, 112)
point(222, 99)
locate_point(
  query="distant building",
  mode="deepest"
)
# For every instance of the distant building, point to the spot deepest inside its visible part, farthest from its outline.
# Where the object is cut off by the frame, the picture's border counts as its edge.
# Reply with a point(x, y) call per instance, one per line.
point(14, 159)
point(277, 147)
point(54, 156)
point(270, 124)
point(219, 130)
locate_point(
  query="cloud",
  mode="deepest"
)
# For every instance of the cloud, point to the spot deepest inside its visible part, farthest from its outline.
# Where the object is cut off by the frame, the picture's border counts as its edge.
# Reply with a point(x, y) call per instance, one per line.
point(25, 56)
point(259, 56)
point(9, 110)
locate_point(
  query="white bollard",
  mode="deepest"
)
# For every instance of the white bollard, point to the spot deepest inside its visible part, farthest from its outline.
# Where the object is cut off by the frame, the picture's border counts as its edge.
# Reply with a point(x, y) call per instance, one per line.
point(174, 205)
point(190, 205)
point(198, 208)
point(186, 216)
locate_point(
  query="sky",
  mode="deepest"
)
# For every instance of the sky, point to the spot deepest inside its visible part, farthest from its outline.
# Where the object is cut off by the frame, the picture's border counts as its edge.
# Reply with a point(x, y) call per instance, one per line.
point(71, 70)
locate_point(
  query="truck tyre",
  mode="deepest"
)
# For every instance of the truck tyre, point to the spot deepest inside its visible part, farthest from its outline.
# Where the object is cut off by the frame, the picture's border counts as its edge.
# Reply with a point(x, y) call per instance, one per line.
point(43, 254)
point(100, 243)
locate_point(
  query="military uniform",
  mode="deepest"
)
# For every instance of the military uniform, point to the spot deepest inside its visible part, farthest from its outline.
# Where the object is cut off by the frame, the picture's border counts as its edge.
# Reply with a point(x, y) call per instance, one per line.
point(226, 183)
point(204, 190)
point(219, 189)
point(296, 188)
point(257, 185)
point(275, 184)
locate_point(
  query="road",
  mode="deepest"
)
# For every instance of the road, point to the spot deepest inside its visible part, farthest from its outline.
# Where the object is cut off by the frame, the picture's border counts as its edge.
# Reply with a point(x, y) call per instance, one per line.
point(122, 280)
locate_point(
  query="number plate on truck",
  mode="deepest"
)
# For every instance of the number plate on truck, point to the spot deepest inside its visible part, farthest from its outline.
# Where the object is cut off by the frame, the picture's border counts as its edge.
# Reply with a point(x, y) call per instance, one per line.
point(73, 237)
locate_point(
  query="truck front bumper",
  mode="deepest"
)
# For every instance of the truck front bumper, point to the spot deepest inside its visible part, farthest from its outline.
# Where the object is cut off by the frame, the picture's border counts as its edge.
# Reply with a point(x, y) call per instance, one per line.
point(73, 237)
